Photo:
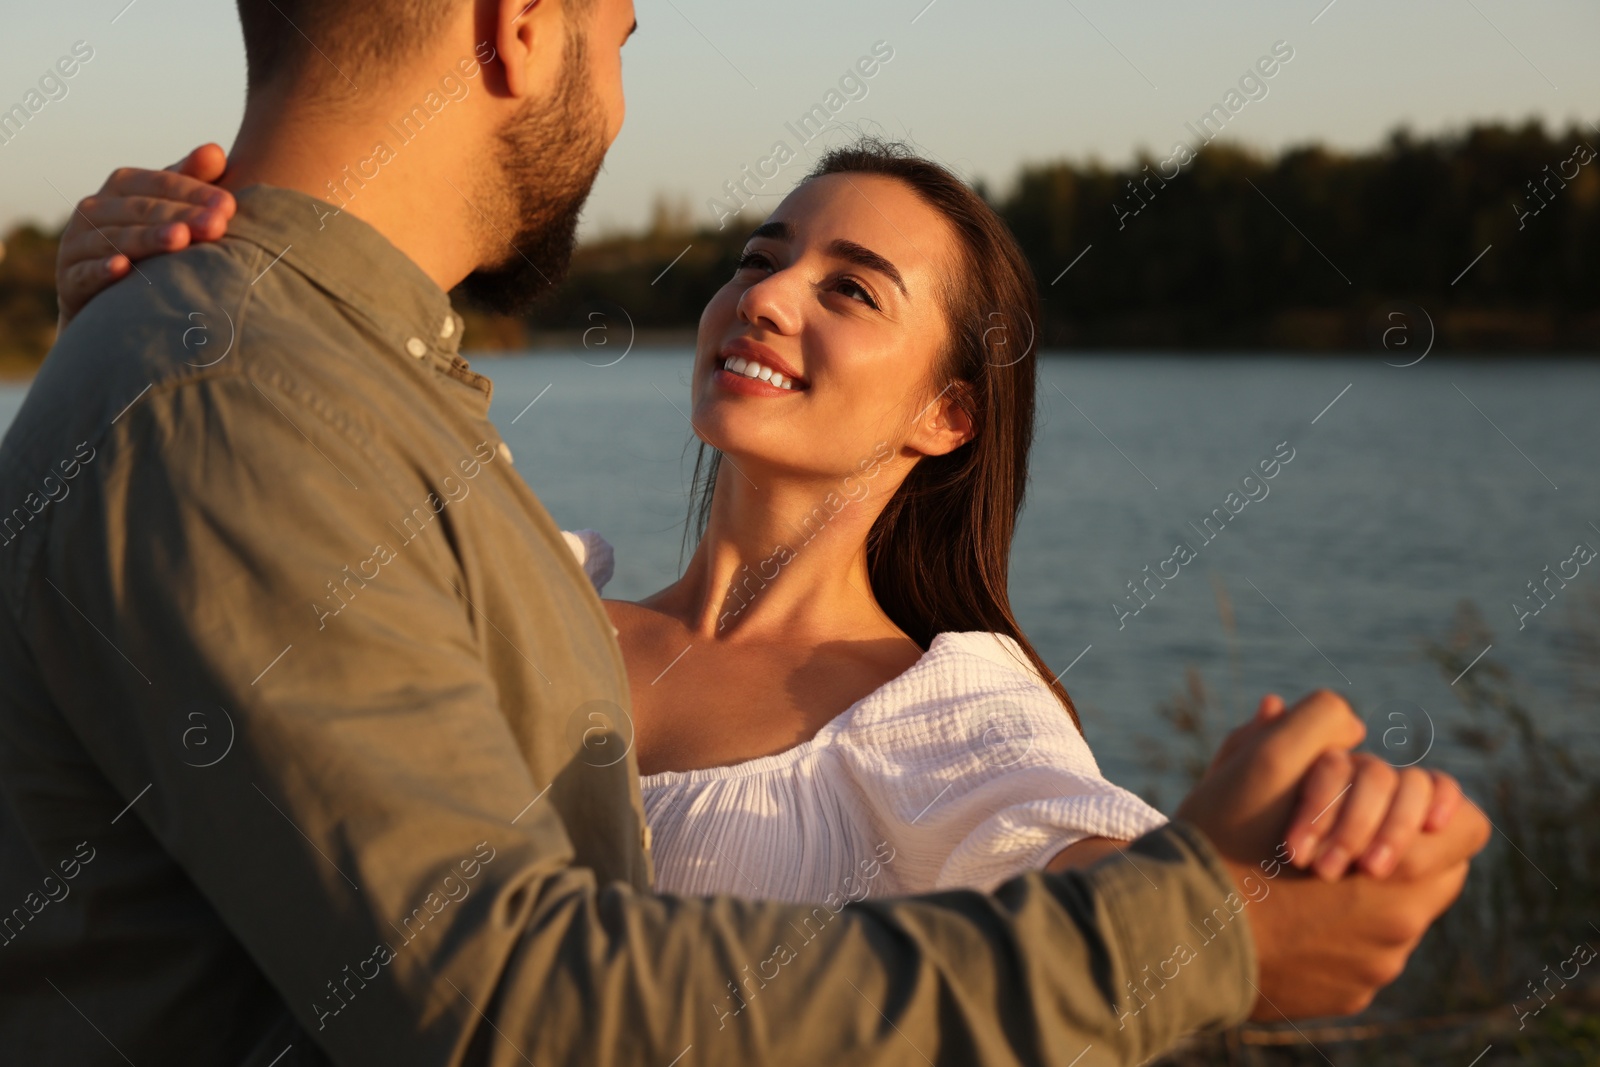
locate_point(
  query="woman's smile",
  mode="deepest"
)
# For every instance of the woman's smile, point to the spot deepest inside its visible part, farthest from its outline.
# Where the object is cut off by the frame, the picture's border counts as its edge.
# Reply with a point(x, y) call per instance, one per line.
point(752, 369)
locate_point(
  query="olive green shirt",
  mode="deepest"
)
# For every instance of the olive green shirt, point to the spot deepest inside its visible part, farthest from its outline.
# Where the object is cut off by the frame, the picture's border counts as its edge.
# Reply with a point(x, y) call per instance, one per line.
point(308, 736)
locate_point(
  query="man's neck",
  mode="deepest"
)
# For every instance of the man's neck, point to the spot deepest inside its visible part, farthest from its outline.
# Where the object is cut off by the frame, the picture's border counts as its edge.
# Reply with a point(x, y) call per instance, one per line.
point(405, 193)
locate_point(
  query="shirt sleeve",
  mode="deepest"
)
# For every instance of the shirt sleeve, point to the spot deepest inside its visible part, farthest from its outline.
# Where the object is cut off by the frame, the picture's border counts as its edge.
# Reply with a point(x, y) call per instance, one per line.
point(983, 779)
point(594, 554)
point(374, 775)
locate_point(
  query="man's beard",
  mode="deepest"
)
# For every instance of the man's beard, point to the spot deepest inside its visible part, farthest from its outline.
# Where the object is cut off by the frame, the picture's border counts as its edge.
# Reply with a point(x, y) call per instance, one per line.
point(550, 156)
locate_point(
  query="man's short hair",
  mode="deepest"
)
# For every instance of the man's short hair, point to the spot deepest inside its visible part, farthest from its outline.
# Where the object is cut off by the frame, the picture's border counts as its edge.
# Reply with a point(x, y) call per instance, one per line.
point(351, 40)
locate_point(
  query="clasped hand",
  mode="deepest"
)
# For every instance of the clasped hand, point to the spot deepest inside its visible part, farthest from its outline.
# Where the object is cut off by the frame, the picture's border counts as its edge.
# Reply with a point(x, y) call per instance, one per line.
point(1362, 856)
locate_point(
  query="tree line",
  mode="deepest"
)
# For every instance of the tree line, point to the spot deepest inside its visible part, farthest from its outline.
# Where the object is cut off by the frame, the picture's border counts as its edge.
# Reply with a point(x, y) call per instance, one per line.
point(1308, 249)
point(1493, 232)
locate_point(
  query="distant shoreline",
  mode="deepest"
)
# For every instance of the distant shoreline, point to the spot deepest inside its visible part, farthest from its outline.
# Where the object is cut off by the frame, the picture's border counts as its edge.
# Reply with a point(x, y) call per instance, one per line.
point(565, 342)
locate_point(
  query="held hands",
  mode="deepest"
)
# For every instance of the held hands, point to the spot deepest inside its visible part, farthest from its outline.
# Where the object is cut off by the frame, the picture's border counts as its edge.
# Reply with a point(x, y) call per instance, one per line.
point(1357, 810)
point(1284, 792)
point(135, 215)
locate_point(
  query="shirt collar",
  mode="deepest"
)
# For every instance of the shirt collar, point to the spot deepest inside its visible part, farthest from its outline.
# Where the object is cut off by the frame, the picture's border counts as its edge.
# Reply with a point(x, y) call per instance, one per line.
point(359, 266)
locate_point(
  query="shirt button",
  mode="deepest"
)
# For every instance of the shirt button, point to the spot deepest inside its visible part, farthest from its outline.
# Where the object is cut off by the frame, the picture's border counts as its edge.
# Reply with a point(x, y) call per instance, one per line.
point(416, 347)
point(448, 330)
point(505, 452)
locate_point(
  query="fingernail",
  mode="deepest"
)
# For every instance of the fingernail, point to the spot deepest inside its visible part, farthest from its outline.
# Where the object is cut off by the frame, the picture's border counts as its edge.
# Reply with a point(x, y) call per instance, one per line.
point(1380, 861)
point(1331, 864)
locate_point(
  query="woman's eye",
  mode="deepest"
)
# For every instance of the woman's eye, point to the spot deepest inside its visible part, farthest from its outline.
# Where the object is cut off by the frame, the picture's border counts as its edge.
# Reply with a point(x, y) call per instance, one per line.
point(753, 259)
point(850, 285)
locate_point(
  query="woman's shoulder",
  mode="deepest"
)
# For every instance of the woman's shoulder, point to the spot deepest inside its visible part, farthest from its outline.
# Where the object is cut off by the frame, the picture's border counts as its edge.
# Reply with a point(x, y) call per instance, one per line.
point(1001, 650)
point(972, 695)
point(974, 770)
point(961, 666)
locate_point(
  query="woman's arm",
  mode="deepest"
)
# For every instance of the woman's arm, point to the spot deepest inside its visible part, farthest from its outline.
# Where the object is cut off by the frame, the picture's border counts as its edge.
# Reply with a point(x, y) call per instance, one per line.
point(1083, 853)
point(1354, 811)
point(137, 214)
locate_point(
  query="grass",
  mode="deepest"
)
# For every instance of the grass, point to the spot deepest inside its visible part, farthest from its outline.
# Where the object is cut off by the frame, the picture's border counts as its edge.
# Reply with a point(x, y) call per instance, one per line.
point(1487, 981)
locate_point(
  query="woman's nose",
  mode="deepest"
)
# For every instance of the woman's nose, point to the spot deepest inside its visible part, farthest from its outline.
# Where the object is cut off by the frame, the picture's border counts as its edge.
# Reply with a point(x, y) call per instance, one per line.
point(773, 302)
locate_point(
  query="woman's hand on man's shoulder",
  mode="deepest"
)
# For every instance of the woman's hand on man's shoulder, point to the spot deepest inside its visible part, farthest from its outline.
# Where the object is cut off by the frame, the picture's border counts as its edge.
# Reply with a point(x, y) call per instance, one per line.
point(138, 214)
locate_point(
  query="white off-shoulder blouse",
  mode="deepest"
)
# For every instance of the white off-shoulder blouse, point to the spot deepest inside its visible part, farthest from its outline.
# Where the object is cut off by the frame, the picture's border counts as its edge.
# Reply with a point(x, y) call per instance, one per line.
point(962, 771)
point(965, 770)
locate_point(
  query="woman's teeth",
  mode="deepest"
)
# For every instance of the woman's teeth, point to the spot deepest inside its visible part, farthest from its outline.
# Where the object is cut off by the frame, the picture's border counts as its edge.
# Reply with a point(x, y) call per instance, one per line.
point(751, 369)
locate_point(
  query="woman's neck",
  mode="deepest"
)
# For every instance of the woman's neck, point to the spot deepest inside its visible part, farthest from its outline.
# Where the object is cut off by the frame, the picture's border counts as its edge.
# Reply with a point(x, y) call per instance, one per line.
point(782, 557)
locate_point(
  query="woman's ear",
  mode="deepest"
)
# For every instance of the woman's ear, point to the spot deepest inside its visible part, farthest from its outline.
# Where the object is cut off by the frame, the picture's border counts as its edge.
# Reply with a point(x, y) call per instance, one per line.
point(944, 425)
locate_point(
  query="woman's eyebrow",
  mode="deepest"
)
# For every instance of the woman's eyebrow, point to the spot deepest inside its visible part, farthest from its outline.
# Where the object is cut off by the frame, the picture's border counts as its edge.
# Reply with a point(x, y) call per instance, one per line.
point(849, 251)
point(777, 231)
point(862, 256)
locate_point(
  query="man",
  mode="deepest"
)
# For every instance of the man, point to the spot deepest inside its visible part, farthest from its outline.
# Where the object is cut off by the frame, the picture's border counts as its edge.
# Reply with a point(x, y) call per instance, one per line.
point(299, 672)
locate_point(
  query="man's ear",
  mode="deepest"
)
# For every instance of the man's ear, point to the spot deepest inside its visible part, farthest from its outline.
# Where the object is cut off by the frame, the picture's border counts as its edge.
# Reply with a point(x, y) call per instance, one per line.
point(944, 425)
point(529, 39)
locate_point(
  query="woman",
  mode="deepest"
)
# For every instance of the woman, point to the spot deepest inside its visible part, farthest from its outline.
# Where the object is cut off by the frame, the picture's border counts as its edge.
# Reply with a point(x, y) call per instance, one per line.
point(835, 698)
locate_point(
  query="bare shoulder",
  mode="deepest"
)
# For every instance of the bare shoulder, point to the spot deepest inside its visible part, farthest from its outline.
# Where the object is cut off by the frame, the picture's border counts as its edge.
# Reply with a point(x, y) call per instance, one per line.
point(627, 614)
point(640, 627)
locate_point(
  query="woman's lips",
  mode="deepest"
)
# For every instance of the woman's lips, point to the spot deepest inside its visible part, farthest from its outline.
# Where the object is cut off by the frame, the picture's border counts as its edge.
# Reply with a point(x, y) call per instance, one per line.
point(747, 356)
point(752, 369)
point(737, 381)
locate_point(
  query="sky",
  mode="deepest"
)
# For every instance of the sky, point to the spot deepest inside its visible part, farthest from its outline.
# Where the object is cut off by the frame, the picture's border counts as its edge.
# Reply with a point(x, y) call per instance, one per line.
point(984, 87)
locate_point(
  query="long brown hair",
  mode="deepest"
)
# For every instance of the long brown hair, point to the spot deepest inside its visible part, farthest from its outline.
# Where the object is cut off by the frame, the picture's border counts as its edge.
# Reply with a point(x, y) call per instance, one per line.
point(940, 552)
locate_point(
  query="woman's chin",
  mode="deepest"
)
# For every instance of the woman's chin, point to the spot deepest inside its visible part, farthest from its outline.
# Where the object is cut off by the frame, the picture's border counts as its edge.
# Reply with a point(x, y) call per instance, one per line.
point(750, 445)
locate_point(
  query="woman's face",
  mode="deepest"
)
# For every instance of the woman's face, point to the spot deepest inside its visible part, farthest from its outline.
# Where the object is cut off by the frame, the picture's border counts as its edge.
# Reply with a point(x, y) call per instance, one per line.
point(839, 294)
